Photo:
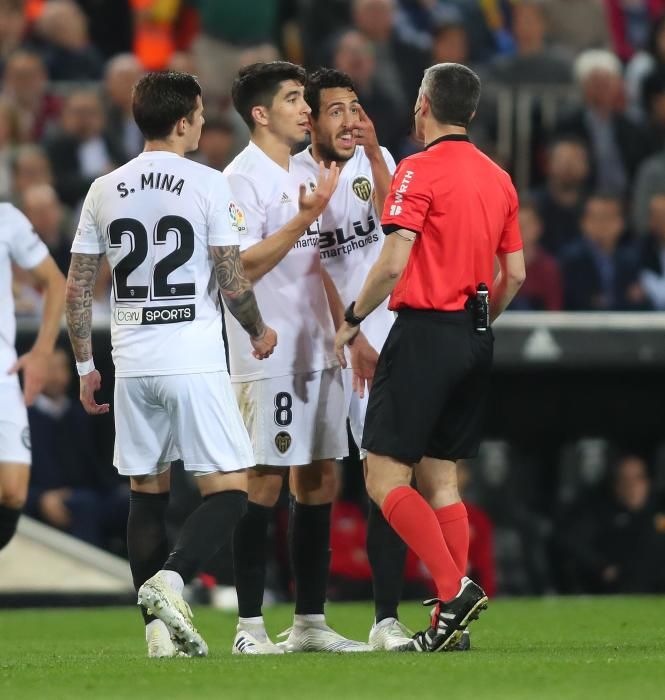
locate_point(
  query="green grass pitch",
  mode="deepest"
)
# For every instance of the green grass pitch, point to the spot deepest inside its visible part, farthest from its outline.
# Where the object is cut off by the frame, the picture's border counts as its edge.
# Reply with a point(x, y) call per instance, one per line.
point(523, 649)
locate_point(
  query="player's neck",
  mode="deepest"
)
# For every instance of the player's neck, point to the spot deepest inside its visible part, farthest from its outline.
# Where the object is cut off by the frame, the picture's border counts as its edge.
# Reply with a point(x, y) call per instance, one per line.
point(276, 150)
point(435, 131)
point(170, 146)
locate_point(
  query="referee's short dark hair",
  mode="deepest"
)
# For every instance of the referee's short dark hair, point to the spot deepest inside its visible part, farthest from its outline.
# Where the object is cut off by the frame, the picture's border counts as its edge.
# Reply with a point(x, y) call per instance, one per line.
point(258, 84)
point(160, 99)
point(453, 91)
point(324, 79)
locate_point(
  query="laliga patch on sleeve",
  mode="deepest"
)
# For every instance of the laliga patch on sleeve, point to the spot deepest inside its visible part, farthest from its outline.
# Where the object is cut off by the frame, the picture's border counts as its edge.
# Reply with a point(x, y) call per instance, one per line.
point(237, 218)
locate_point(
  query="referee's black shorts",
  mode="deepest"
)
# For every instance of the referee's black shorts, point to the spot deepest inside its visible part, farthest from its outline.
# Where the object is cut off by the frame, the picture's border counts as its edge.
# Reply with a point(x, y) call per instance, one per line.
point(430, 388)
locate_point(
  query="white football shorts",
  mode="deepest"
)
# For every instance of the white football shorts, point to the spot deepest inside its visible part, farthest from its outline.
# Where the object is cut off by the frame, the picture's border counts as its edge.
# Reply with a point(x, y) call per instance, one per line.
point(355, 409)
point(14, 429)
point(296, 419)
point(193, 417)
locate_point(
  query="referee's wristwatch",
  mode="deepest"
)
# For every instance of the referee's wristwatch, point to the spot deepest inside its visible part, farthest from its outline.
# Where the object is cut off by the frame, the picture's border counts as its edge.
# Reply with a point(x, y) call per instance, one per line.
point(350, 317)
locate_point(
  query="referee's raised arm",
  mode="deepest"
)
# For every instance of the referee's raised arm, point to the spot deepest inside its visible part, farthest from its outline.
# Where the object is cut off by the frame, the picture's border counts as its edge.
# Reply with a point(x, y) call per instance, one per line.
point(450, 213)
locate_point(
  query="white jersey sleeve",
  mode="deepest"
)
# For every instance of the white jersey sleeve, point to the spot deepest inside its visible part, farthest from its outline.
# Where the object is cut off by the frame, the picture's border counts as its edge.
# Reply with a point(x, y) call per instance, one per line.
point(89, 239)
point(252, 211)
point(226, 220)
point(26, 248)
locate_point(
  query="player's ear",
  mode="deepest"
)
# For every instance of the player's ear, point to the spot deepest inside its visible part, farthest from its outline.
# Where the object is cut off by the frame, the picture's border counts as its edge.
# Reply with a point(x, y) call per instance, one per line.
point(181, 126)
point(260, 115)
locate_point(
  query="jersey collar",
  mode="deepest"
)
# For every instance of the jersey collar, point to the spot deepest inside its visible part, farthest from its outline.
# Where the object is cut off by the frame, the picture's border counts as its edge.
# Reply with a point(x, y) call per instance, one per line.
point(449, 137)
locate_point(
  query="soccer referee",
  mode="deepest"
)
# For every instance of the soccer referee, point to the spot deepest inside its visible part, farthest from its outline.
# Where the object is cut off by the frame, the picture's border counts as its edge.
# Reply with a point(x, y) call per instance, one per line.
point(450, 213)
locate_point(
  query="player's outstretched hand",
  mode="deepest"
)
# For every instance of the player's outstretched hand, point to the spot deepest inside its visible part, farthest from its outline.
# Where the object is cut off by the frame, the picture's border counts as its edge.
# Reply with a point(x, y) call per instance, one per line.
point(90, 383)
point(265, 344)
point(364, 132)
point(313, 203)
point(34, 365)
point(363, 361)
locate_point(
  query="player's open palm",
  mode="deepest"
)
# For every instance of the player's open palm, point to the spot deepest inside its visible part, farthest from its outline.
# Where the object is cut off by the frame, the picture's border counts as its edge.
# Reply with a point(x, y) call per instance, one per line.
point(90, 383)
point(313, 203)
point(265, 344)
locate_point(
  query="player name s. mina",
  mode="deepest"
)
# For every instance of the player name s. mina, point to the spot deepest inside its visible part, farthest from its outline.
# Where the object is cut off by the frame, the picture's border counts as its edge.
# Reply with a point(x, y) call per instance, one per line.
point(154, 181)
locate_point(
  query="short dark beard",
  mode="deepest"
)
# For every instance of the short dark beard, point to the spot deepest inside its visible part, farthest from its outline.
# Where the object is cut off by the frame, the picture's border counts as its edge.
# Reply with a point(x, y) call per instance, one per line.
point(329, 154)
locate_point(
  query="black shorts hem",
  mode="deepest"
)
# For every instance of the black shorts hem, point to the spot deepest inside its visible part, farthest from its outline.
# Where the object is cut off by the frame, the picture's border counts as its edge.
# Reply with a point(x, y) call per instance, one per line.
point(385, 452)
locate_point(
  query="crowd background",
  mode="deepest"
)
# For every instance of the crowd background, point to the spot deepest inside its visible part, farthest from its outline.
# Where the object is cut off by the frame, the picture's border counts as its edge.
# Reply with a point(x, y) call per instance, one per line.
point(573, 106)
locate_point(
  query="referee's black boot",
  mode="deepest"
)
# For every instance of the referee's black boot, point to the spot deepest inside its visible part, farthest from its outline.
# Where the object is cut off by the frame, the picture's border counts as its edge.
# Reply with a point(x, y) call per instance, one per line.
point(450, 619)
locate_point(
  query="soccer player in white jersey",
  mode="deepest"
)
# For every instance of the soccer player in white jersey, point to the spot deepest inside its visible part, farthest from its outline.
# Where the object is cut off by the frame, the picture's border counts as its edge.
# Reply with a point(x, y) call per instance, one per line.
point(170, 230)
point(294, 405)
point(19, 244)
point(350, 241)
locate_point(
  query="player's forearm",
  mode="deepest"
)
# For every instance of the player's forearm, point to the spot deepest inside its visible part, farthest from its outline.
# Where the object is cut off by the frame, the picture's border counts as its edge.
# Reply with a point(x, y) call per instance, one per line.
point(505, 289)
point(382, 179)
point(334, 300)
point(54, 305)
point(237, 290)
point(262, 257)
point(78, 303)
point(379, 284)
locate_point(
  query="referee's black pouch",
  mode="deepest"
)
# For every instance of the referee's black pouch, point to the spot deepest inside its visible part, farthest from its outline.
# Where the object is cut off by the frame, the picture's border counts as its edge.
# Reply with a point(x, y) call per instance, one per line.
point(479, 305)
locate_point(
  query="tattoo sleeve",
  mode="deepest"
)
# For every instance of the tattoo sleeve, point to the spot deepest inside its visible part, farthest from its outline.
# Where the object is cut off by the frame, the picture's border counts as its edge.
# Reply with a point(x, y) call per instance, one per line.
point(78, 302)
point(237, 289)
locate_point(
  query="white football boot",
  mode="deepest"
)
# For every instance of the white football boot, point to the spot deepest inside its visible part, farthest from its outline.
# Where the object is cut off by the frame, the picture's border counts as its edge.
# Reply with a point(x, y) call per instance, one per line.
point(160, 644)
point(253, 639)
point(317, 636)
point(389, 635)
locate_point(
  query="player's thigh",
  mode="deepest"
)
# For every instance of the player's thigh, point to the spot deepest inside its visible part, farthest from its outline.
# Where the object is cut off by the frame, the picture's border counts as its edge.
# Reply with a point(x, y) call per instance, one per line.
point(144, 443)
point(460, 425)
point(264, 484)
point(14, 480)
point(152, 483)
point(316, 483)
point(206, 423)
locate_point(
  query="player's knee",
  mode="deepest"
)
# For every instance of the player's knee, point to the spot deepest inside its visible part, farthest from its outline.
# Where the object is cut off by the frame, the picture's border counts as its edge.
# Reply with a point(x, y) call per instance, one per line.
point(13, 497)
point(315, 483)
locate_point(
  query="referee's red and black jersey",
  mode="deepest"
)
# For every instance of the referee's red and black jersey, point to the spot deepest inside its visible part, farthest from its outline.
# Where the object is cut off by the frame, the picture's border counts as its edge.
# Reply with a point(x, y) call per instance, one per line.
point(463, 208)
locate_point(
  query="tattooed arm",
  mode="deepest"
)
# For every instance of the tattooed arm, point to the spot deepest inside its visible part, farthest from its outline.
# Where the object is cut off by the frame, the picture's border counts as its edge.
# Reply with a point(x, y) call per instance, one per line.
point(78, 309)
point(240, 299)
point(80, 284)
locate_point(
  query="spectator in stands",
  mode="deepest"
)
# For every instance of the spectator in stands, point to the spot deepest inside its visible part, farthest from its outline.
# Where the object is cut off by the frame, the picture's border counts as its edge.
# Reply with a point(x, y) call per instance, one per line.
point(48, 217)
point(12, 28)
point(598, 273)
point(616, 143)
point(317, 22)
point(450, 41)
point(82, 149)
point(110, 24)
point(354, 55)
point(121, 73)
point(652, 260)
point(25, 83)
point(542, 289)
point(9, 136)
point(644, 62)
point(533, 61)
point(561, 200)
point(577, 24)
point(70, 488)
point(234, 33)
point(216, 143)
point(653, 100)
point(630, 22)
point(31, 166)
point(615, 543)
point(399, 65)
point(60, 35)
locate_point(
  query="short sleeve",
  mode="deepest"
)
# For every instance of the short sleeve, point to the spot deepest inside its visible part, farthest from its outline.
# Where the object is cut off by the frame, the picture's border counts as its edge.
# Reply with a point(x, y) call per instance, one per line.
point(27, 249)
point(390, 161)
point(408, 202)
point(89, 239)
point(226, 220)
point(246, 197)
point(511, 238)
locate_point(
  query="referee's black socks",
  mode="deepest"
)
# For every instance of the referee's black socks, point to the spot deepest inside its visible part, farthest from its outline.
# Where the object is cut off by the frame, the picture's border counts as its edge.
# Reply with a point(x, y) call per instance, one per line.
point(205, 531)
point(309, 540)
point(387, 556)
point(8, 522)
point(250, 542)
point(147, 544)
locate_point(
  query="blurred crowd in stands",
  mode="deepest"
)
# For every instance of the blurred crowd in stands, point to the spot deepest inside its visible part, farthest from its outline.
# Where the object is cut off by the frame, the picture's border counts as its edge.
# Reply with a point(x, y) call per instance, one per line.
point(573, 106)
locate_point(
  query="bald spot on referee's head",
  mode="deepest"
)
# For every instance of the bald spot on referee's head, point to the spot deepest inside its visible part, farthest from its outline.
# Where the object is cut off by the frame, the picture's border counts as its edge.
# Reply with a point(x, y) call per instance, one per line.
point(453, 91)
